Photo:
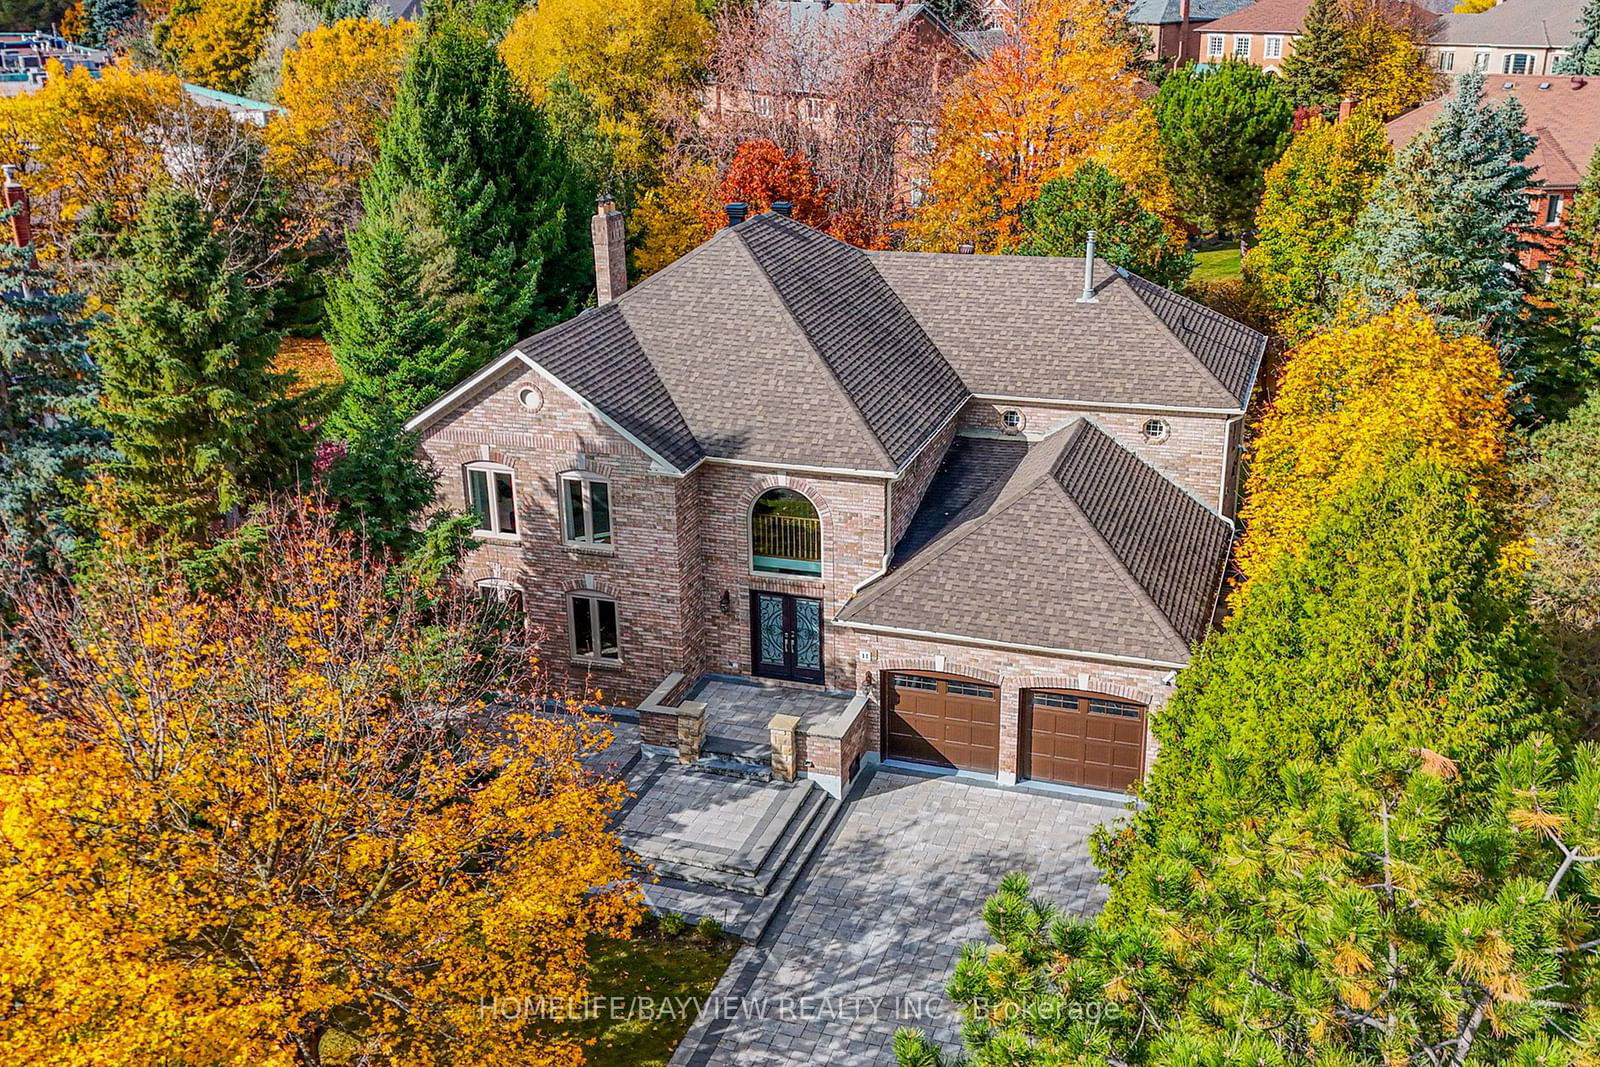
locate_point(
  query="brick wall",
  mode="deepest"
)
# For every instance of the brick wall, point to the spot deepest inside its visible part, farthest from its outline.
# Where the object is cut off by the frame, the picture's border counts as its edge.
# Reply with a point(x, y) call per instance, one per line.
point(1194, 454)
point(644, 571)
point(907, 491)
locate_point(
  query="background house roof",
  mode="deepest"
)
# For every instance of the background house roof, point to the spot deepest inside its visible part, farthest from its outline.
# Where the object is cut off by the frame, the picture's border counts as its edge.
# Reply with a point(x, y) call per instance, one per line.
point(1132, 563)
point(1563, 113)
point(1289, 16)
point(773, 342)
point(1159, 12)
point(1513, 24)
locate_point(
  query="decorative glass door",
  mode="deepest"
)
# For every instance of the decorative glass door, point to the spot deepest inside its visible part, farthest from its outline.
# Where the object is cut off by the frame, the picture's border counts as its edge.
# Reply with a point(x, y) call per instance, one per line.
point(786, 636)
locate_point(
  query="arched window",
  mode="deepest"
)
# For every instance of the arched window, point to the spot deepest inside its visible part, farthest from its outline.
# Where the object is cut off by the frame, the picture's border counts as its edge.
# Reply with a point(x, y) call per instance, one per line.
point(785, 534)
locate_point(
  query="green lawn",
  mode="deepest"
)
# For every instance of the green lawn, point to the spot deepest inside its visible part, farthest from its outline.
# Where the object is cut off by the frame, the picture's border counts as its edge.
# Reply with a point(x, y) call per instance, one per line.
point(679, 970)
point(1216, 265)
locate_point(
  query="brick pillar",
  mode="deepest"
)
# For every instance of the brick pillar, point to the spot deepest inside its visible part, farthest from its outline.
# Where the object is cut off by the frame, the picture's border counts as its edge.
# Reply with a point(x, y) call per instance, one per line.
point(691, 730)
point(785, 763)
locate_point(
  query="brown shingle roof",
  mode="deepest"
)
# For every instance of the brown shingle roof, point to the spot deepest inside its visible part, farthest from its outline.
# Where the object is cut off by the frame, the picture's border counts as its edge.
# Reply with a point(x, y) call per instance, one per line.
point(1563, 113)
point(1119, 560)
point(1513, 24)
point(1289, 17)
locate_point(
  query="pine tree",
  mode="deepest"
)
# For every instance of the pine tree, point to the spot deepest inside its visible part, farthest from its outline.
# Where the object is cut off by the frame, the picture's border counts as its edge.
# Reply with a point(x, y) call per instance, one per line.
point(466, 146)
point(1443, 222)
point(199, 417)
point(47, 393)
point(1583, 54)
point(1314, 75)
point(1566, 360)
point(103, 18)
point(1128, 234)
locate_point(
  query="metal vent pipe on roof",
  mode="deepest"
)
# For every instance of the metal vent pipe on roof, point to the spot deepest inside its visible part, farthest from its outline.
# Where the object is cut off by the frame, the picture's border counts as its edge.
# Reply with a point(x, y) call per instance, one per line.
point(782, 207)
point(736, 212)
point(1088, 296)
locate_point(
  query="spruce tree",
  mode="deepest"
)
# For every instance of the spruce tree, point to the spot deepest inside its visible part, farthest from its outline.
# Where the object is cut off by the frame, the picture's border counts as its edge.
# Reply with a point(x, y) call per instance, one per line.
point(468, 149)
point(1582, 56)
point(200, 419)
point(1443, 222)
point(47, 393)
point(1566, 361)
point(103, 18)
point(1314, 75)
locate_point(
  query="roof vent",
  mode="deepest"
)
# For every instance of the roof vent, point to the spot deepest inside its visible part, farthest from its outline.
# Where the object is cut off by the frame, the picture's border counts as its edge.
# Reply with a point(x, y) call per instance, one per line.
point(966, 248)
point(1508, 85)
point(1088, 296)
point(782, 207)
point(736, 212)
point(1579, 81)
point(1544, 87)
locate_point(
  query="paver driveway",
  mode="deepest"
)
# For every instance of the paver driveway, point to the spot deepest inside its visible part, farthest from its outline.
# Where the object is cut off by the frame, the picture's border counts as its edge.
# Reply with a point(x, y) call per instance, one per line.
point(868, 937)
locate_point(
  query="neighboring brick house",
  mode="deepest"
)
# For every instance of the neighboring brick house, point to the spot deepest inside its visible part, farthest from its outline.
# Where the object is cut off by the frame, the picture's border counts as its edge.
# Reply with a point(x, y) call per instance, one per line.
point(1168, 25)
point(1264, 32)
point(1513, 37)
point(987, 495)
point(1564, 115)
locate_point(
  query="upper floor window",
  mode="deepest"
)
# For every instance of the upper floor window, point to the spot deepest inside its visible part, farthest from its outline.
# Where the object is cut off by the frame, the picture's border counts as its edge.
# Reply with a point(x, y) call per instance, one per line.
point(785, 534)
point(1274, 48)
point(1552, 209)
point(811, 108)
point(586, 509)
point(762, 105)
point(492, 496)
point(1519, 63)
point(1447, 60)
point(1480, 61)
point(1214, 45)
point(1241, 46)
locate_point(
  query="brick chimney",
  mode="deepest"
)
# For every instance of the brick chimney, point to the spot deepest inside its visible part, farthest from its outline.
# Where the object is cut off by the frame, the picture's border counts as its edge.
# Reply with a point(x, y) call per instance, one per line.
point(17, 199)
point(610, 250)
point(1346, 106)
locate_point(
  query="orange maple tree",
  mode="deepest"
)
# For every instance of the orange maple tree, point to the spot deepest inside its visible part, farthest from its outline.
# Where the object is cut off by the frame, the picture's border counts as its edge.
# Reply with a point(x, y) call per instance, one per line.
point(247, 827)
point(762, 174)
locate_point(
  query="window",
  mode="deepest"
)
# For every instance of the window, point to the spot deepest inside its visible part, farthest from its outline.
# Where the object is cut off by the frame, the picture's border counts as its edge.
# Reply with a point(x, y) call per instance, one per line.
point(763, 105)
point(501, 593)
point(1156, 429)
point(1241, 46)
point(1112, 707)
point(1480, 61)
point(811, 109)
point(1519, 63)
point(1011, 420)
point(592, 621)
point(491, 495)
point(1274, 48)
point(1214, 45)
point(585, 510)
point(785, 535)
point(1447, 60)
point(1552, 209)
point(911, 681)
point(964, 689)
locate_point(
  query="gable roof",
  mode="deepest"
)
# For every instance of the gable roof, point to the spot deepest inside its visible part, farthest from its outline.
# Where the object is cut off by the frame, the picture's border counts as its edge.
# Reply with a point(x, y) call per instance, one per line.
point(1562, 113)
point(1159, 12)
point(1121, 561)
point(775, 343)
point(1513, 24)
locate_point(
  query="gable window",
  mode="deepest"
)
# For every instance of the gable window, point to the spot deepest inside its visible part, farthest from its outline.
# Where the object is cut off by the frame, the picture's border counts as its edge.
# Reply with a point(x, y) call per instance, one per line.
point(1518, 63)
point(1011, 420)
point(1214, 45)
point(785, 535)
point(586, 509)
point(1241, 46)
point(592, 622)
point(1156, 430)
point(1447, 60)
point(492, 496)
point(1274, 48)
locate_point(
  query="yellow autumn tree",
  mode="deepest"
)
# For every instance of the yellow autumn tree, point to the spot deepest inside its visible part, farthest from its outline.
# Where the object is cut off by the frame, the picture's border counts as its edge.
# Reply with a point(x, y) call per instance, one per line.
point(214, 42)
point(634, 60)
point(89, 141)
point(1393, 73)
point(254, 826)
point(337, 90)
point(1352, 397)
point(1131, 151)
point(1038, 105)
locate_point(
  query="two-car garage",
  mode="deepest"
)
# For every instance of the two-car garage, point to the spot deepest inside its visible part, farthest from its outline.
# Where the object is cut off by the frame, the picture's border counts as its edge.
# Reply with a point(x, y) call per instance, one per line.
point(1067, 738)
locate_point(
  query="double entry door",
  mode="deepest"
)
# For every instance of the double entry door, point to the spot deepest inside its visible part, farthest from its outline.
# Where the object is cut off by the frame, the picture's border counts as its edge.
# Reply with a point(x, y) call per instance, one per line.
point(786, 636)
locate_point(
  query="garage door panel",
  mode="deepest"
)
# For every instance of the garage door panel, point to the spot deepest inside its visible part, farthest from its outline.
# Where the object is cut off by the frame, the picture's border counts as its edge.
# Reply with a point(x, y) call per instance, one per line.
point(943, 721)
point(1076, 739)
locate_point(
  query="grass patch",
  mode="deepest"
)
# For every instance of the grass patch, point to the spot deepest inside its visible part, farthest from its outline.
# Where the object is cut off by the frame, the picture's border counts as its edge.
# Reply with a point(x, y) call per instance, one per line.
point(652, 966)
point(1217, 265)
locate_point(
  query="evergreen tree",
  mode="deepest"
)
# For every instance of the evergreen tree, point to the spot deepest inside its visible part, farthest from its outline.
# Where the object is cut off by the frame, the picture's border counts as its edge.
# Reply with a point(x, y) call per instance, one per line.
point(1314, 75)
point(103, 18)
point(1566, 362)
point(1443, 222)
point(47, 393)
point(466, 147)
point(193, 406)
point(1127, 233)
point(1582, 56)
point(1220, 131)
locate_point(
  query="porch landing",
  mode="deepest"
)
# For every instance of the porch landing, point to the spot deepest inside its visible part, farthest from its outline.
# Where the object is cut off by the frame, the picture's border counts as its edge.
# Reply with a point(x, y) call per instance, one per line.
point(738, 711)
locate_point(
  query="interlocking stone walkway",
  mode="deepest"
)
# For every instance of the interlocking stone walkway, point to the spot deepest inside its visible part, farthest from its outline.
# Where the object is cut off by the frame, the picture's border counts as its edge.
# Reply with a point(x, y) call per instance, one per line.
point(870, 932)
point(739, 710)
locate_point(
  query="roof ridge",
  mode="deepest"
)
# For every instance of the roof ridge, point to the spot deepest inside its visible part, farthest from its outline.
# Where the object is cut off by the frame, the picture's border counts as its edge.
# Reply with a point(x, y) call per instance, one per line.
point(1128, 277)
point(800, 331)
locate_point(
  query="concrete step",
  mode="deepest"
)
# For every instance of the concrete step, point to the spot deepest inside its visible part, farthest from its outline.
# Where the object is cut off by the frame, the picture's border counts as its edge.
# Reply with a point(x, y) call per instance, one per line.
point(792, 847)
point(731, 767)
point(736, 749)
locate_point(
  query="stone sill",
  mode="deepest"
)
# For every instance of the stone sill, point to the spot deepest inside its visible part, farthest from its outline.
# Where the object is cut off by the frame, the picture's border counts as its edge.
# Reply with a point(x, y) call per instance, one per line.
point(835, 728)
point(603, 664)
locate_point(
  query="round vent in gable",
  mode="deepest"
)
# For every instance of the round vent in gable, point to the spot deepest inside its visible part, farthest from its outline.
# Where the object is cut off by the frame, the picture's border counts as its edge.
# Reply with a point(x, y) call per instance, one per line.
point(531, 398)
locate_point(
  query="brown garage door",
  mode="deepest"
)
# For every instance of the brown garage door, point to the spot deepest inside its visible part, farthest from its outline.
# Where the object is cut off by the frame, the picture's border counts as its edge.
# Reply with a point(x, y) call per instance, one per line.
point(1079, 739)
point(936, 719)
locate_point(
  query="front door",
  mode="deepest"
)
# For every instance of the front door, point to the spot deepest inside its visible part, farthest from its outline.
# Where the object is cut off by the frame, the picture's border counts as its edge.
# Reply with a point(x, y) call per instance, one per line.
point(786, 636)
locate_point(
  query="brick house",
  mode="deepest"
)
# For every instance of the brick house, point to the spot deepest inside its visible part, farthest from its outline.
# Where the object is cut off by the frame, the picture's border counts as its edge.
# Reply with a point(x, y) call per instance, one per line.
point(1514, 37)
point(989, 496)
point(1264, 33)
point(1563, 114)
